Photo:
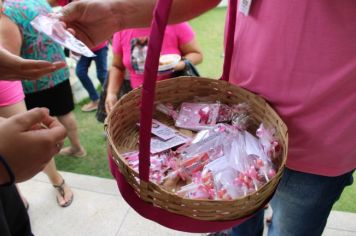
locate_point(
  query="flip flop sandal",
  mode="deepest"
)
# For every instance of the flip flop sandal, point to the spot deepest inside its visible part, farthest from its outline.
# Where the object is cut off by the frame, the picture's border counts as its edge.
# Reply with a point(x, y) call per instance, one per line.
point(60, 189)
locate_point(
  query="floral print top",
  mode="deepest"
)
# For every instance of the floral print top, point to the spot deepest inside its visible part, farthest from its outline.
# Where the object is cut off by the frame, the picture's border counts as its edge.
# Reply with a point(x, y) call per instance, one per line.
point(36, 45)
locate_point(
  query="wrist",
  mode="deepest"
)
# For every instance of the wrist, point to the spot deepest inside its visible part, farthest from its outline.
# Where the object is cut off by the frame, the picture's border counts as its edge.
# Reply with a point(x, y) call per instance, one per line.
point(111, 94)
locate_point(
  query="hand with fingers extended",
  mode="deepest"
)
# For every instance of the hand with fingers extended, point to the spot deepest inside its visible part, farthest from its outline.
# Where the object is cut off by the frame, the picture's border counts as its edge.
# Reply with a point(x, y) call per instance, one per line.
point(13, 67)
point(28, 141)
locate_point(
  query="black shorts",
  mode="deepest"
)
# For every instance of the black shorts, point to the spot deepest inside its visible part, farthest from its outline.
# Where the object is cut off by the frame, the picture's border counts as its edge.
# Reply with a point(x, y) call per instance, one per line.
point(58, 99)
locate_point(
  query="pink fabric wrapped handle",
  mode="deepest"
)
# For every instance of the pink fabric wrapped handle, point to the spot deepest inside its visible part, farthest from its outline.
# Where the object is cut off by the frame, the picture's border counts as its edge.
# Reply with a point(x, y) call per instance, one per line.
point(158, 26)
point(229, 47)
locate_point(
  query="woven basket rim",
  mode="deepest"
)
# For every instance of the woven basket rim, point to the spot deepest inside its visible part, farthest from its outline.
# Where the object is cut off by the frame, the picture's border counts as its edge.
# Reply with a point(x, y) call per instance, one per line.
point(119, 160)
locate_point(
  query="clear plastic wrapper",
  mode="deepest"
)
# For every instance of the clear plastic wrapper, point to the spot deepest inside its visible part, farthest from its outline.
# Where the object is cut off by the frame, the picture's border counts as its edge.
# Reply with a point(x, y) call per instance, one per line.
point(268, 141)
point(197, 116)
point(225, 113)
point(168, 109)
point(240, 116)
point(207, 146)
point(54, 29)
point(159, 164)
point(225, 185)
point(195, 191)
point(209, 141)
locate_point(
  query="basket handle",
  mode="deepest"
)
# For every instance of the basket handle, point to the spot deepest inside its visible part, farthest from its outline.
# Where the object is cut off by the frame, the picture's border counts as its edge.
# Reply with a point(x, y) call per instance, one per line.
point(229, 46)
point(158, 26)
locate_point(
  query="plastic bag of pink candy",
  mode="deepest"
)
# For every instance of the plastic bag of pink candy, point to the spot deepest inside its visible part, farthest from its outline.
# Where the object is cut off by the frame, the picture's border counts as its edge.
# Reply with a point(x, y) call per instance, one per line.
point(159, 164)
point(55, 30)
point(209, 141)
point(268, 141)
point(207, 146)
point(198, 116)
point(242, 170)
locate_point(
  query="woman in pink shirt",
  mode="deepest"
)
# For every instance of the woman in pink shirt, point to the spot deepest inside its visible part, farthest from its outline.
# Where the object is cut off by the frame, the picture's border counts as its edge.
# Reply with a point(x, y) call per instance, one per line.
point(130, 48)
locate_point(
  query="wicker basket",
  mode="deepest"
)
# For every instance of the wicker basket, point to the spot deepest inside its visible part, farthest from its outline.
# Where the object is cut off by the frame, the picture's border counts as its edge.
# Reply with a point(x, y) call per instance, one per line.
point(123, 136)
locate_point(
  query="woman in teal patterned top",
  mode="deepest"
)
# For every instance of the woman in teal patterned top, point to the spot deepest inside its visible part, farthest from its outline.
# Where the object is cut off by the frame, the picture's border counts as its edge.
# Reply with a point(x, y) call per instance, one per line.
point(35, 45)
point(52, 91)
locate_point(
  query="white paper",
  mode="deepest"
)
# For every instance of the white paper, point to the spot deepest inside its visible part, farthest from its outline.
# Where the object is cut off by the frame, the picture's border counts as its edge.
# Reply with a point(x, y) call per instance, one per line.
point(159, 145)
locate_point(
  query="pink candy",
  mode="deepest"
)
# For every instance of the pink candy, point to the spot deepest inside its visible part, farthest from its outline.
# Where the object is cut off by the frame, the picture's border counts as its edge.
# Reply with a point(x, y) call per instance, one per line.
point(204, 114)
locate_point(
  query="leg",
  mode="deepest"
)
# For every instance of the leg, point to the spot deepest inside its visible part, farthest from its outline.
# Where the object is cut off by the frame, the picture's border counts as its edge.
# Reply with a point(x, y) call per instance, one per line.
point(101, 63)
point(82, 73)
point(76, 149)
point(65, 194)
point(251, 227)
point(302, 202)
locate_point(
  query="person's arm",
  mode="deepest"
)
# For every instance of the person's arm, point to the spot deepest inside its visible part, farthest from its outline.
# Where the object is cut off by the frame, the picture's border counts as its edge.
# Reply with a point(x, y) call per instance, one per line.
point(26, 145)
point(190, 51)
point(95, 21)
point(10, 35)
point(115, 80)
point(138, 13)
point(13, 67)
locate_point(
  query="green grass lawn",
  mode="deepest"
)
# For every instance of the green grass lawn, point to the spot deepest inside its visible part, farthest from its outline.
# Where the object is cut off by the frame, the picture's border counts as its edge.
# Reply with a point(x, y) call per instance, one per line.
point(209, 29)
point(91, 136)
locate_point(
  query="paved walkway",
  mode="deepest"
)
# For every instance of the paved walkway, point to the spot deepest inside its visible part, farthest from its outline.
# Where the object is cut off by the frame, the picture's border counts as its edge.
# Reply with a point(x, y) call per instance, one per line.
point(99, 210)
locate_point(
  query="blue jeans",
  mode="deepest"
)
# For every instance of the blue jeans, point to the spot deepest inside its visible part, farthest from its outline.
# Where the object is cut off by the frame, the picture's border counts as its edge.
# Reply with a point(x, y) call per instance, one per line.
point(301, 205)
point(101, 71)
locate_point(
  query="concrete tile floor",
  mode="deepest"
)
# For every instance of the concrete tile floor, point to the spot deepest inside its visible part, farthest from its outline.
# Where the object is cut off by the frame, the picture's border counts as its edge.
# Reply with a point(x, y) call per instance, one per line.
point(99, 210)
